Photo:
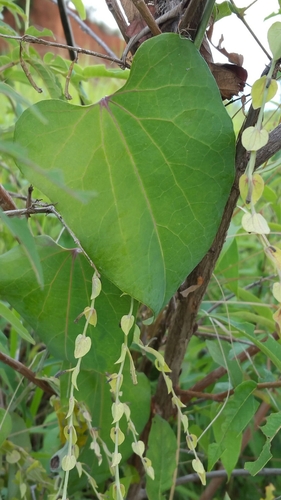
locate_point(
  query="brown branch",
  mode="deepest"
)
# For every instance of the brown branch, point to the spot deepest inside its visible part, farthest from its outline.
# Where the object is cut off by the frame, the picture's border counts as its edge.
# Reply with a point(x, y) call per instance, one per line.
point(192, 16)
point(40, 41)
point(194, 478)
point(26, 373)
point(221, 396)
point(147, 16)
point(115, 10)
point(172, 14)
point(6, 202)
point(88, 30)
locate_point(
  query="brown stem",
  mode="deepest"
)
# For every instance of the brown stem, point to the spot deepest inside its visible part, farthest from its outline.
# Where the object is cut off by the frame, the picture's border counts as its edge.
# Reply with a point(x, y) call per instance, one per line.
point(222, 395)
point(6, 202)
point(27, 373)
point(40, 41)
point(115, 10)
point(147, 16)
point(192, 16)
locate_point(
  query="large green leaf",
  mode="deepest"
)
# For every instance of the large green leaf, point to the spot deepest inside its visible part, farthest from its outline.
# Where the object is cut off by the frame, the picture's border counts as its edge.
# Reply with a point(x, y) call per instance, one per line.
point(162, 448)
point(228, 427)
point(160, 156)
point(53, 310)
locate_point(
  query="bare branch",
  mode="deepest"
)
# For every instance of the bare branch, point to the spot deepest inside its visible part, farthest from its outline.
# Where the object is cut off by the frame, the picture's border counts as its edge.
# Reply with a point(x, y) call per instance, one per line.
point(147, 16)
point(192, 478)
point(173, 13)
point(88, 30)
point(40, 41)
point(26, 373)
point(115, 10)
point(6, 202)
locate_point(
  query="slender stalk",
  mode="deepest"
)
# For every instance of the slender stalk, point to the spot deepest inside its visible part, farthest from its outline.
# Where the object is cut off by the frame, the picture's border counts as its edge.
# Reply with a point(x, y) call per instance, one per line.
point(204, 23)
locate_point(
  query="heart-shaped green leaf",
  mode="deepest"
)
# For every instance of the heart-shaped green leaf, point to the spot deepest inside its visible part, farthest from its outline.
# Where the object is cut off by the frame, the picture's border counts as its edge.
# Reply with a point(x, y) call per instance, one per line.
point(159, 154)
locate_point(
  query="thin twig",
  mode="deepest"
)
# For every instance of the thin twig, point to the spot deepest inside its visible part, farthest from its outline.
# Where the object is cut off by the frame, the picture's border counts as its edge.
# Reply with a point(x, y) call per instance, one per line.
point(145, 31)
point(147, 16)
point(241, 17)
point(26, 70)
point(225, 338)
point(40, 41)
point(50, 209)
point(115, 10)
point(6, 202)
point(232, 295)
point(88, 30)
point(68, 77)
point(219, 397)
point(192, 478)
point(27, 373)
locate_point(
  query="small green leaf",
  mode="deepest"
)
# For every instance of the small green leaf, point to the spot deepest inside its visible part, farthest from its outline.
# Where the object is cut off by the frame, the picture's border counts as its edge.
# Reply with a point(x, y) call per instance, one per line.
point(6, 313)
point(79, 6)
point(31, 30)
point(19, 228)
point(127, 322)
point(254, 139)
point(99, 70)
point(276, 290)
point(199, 468)
point(116, 459)
point(91, 315)
point(258, 187)
point(96, 287)
point(274, 39)
point(117, 411)
point(13, 457)
point(116, 431)
point(258, 89)
point(5, 425)
point(255, 223)
point(82, 346)
point(138, 448)
point(13, 7)
point(68, 462)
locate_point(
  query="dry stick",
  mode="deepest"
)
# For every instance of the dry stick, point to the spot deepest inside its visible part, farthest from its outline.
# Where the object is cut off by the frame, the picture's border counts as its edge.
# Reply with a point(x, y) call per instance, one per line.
point(27, 72)
point(6, 202)
point(40, 41)
point(194, 478)
point(221, 396)
point(241, 17)
point(115, 10)
point(145, 31)
point(147, 16)
point(191, 18)
point(88, 30)
point(27, 373)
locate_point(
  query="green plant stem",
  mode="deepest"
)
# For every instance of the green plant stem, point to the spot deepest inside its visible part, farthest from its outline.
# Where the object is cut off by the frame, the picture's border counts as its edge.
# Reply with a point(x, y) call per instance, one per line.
point(172, 491)
point(27, 13)
point(241, 17)
point(204, 23)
